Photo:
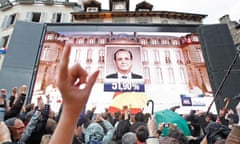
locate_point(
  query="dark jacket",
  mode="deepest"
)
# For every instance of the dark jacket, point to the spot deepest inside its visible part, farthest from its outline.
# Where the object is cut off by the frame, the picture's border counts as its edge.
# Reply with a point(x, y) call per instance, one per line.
point(16, 108)
point(216, 131)
point(31, 126)
point(39, 129)
point(11, 100)
point(133, 76)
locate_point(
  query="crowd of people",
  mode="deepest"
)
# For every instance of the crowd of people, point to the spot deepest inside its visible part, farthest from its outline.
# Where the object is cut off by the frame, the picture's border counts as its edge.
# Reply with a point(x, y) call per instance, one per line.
point(74, 124)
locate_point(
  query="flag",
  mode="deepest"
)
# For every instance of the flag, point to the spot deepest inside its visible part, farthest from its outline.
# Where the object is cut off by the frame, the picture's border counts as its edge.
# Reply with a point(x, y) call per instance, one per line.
point(3, 50)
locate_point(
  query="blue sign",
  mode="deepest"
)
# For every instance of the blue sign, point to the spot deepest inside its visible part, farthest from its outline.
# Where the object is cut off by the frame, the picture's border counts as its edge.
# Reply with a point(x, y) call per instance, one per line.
point(122, 86)
point(186, 101)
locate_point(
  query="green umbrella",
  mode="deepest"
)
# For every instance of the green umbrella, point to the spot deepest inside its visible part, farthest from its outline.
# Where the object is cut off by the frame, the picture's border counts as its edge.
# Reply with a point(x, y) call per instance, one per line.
point(168, 116)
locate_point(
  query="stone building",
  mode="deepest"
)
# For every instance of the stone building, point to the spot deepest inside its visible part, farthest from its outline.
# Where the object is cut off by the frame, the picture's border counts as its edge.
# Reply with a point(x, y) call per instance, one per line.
point(233, 27)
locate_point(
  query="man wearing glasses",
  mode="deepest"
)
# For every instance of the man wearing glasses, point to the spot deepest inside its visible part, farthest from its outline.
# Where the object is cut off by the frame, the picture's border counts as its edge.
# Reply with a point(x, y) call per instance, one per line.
point(16, 128)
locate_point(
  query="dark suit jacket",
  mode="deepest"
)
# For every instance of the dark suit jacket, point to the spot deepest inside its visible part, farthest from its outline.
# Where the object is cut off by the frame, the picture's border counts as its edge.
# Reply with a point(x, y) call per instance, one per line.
point(133, 75)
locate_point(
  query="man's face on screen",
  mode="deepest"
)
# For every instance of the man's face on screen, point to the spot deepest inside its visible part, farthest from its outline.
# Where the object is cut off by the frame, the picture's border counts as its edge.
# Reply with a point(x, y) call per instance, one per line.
point(123, 62)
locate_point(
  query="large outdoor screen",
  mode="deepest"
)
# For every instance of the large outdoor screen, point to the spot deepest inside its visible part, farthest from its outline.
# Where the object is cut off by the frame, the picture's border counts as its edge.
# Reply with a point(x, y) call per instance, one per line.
point(160, 64)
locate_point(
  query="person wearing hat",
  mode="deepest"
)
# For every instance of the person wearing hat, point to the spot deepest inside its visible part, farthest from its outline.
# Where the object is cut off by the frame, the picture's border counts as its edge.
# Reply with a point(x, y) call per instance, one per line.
point(99, 131)
point(94, 132)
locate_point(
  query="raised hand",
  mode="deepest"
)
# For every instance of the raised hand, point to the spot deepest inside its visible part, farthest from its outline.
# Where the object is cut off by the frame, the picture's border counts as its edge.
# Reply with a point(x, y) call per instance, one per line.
point(75, 88)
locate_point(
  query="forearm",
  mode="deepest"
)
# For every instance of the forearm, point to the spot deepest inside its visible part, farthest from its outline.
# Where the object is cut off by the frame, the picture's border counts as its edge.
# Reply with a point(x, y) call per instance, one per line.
point(69, 80)
point(110, 130)
point(65, 128)
point(31, 126)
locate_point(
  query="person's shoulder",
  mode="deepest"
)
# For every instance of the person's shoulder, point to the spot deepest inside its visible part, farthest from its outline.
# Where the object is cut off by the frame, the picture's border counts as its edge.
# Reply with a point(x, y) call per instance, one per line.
point(136, 76)
point(113, 75)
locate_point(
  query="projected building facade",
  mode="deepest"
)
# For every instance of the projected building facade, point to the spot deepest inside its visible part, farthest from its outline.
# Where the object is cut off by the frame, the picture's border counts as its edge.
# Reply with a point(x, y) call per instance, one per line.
point(172, 64)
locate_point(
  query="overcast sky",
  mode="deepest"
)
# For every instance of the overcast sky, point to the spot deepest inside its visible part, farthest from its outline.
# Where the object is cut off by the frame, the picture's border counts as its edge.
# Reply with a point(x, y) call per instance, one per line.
point(213, 8)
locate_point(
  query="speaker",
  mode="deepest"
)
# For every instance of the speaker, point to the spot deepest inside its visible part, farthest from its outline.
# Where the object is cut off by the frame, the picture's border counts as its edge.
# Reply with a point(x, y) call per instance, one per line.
point(219, 53)
point(21, 60)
